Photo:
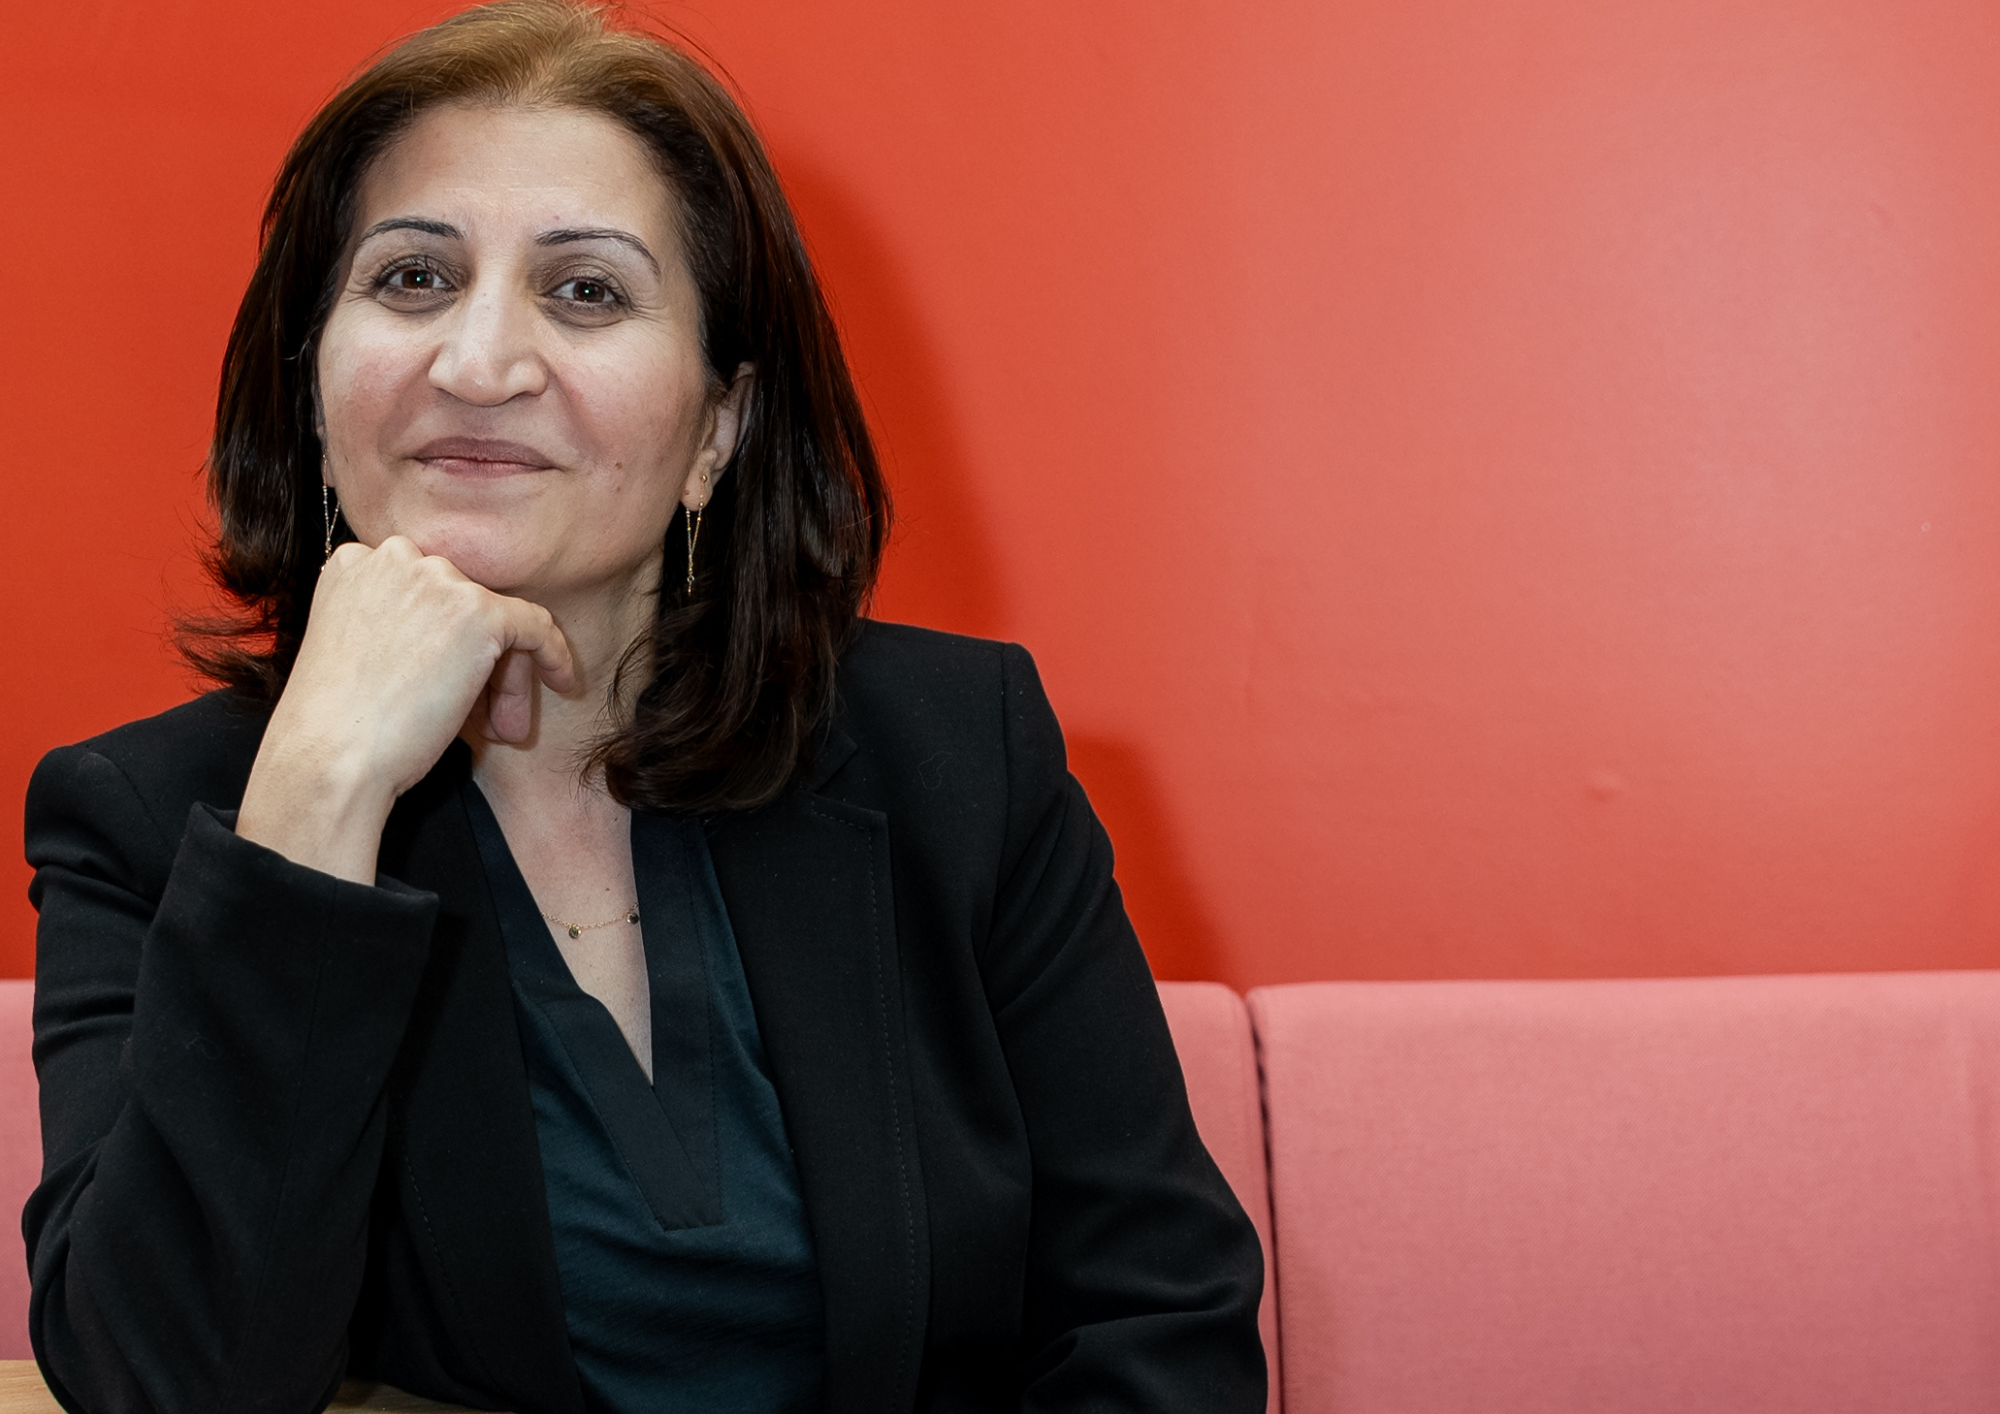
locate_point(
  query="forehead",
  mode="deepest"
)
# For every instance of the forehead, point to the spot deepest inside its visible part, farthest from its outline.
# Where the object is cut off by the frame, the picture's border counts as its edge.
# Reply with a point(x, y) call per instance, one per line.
point(506, 167)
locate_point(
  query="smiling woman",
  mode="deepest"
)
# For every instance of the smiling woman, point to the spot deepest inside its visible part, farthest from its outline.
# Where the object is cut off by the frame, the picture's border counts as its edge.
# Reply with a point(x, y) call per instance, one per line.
point(579, 398)
point(574, 961)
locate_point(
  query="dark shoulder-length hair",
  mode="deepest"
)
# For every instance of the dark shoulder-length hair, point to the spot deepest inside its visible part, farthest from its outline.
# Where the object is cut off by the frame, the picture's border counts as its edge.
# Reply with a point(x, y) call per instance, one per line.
point(739, 672)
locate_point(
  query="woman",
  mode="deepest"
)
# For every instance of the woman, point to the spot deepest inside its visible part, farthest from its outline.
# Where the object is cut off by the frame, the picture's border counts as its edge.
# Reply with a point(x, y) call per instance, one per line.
point(575, 962)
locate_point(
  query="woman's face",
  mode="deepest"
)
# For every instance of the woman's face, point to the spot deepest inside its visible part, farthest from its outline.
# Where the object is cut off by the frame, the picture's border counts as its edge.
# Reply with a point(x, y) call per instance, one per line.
point(511, 375)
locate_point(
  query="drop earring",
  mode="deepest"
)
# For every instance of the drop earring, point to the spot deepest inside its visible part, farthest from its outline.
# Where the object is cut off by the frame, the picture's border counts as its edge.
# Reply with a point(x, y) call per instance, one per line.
point(329, 510)
point(691, 518)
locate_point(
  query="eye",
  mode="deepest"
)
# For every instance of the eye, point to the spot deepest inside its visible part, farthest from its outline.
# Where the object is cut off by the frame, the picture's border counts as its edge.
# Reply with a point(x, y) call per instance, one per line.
point(411, 281)
point(585, 290)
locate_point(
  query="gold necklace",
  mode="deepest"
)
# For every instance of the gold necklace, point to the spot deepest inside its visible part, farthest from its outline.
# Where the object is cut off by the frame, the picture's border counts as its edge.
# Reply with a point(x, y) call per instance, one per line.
point(577, 930)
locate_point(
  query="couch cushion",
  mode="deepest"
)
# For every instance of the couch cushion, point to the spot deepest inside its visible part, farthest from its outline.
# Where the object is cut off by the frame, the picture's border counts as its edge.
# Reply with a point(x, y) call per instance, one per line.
point(20, 1158)
point(1212, 1037)
point(1779, 1194)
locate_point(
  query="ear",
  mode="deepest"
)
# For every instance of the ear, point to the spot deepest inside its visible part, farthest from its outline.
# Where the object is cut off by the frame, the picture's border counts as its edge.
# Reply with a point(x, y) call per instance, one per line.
point(725, 428)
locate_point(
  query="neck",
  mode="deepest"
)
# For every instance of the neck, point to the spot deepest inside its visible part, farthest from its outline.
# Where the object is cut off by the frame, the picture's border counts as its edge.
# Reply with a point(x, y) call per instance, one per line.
point(600, 626)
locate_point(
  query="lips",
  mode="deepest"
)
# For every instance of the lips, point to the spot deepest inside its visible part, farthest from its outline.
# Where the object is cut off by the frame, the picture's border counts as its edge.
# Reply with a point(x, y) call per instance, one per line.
point(482, 456)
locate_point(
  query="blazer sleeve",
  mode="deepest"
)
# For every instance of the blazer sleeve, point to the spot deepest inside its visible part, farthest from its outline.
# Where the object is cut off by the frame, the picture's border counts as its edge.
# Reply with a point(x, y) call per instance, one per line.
point(1143, 1271)
point(213, 1029)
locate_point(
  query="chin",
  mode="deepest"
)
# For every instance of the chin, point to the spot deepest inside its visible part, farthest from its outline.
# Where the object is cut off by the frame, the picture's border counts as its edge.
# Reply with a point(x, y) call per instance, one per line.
point(486, 554)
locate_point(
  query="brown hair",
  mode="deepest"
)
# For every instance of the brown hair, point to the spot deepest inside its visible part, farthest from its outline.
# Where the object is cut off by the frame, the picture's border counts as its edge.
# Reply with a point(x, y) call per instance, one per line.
point(741, 671)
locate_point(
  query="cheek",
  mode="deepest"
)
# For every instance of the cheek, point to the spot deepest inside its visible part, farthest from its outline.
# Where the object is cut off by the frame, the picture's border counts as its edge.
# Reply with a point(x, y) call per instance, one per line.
point(360, 384)
point(643, 404)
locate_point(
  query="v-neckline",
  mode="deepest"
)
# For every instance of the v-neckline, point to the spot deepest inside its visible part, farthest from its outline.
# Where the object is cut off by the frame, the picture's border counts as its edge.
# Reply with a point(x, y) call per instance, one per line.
point(665, 1131)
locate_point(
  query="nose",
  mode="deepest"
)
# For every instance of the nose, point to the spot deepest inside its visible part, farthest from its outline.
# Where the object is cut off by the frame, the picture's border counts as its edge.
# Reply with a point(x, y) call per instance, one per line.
point(489, 355)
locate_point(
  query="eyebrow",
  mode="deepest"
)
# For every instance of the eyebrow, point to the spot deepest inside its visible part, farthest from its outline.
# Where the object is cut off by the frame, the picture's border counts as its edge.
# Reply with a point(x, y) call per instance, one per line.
point(569, 236)
point(412, 223)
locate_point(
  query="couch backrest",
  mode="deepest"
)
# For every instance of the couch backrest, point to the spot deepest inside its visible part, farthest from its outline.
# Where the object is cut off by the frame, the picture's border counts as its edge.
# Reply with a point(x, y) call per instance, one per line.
point(1779, 1194)
point(1771, 1194)
point(1211, 1030)
point(20, 1158)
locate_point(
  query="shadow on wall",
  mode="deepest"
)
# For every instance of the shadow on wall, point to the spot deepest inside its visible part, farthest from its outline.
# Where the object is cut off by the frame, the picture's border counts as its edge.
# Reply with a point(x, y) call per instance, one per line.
point(939, 571)
point(1173, 924)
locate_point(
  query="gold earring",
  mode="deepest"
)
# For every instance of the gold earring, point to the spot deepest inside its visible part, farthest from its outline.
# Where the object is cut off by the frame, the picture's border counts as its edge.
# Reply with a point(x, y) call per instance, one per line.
point(329, 508)
point(691, 518)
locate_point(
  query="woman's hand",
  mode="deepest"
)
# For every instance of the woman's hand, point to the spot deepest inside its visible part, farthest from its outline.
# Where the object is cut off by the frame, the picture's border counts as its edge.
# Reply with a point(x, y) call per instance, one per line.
point(400, 652)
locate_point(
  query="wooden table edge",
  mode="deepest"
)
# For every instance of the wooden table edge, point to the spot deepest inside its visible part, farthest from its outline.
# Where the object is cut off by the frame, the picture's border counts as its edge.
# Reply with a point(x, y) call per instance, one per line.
point(23, 1391)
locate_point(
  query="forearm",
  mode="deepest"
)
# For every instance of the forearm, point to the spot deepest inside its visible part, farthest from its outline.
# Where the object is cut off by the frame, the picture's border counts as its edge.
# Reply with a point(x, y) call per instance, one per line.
point(318, 802)
point(214, 1142)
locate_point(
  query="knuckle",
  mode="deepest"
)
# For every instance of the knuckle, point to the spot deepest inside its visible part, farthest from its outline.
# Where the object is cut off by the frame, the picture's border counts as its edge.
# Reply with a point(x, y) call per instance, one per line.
point(437, 578)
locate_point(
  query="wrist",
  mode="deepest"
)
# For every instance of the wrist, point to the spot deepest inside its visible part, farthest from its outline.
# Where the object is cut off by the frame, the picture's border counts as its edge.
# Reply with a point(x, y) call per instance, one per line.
point(317, 807)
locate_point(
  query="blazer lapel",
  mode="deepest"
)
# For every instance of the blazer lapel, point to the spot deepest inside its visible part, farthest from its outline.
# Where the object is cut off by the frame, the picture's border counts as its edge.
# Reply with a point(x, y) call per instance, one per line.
point(463, 1129)
point(808, 887)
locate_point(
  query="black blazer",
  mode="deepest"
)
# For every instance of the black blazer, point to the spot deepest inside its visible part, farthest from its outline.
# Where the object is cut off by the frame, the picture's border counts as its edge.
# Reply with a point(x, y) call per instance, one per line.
point(286, 1123)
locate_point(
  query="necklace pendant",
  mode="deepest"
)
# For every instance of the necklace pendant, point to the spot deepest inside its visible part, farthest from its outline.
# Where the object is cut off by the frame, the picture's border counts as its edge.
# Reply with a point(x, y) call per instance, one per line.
point(574, 931)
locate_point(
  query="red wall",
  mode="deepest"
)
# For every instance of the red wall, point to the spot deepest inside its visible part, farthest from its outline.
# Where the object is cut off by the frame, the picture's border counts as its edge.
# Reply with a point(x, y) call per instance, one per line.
point(1496, 487)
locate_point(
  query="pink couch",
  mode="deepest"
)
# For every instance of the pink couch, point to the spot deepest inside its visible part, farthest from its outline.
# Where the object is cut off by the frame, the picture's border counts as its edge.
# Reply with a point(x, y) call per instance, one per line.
point(20, 1159)
point(1769, 1194)
point(1773, 1194)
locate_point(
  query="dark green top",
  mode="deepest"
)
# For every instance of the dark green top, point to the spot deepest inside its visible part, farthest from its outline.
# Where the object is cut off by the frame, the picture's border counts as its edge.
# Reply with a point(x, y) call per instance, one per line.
point(687, 1268)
